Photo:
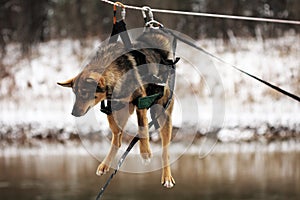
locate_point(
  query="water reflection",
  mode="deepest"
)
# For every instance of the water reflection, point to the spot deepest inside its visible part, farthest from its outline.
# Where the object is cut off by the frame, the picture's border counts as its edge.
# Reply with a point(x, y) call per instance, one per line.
point(219, 176)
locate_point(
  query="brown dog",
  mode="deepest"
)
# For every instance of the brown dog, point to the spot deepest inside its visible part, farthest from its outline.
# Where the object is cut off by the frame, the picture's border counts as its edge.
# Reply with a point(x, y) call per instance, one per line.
point(115, 69)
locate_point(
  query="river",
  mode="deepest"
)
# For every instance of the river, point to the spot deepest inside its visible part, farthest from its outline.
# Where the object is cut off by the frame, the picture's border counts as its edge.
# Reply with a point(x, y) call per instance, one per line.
point(241, 176)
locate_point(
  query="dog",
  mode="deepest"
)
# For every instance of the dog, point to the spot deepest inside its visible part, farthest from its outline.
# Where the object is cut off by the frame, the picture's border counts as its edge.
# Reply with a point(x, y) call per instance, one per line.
point(115, 68)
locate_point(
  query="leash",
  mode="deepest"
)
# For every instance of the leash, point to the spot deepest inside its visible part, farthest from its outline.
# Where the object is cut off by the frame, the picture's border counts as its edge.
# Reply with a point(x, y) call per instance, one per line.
point(159, 25)
point(122, 159)
point(278, 89)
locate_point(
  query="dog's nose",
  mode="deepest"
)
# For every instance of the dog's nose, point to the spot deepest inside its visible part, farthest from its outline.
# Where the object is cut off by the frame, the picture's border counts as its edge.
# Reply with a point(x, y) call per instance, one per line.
point(75, 113)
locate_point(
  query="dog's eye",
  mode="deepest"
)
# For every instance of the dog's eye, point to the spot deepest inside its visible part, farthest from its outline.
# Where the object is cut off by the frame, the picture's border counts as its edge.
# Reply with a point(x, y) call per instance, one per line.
point(84, 94)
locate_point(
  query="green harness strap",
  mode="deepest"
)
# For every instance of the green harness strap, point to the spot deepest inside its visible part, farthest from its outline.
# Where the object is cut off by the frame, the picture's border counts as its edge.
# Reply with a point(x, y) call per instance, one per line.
point(148, 101)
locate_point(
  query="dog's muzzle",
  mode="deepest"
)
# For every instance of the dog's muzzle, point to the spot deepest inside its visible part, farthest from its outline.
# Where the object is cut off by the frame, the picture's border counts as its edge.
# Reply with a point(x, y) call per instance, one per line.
point(78, 113)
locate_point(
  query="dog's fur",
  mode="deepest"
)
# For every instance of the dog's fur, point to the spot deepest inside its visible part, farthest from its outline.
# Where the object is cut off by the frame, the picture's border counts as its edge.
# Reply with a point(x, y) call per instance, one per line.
point(113, 66)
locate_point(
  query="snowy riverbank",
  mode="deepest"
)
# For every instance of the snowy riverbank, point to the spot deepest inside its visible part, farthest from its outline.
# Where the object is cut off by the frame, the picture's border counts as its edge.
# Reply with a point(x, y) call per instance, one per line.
point(33, 107)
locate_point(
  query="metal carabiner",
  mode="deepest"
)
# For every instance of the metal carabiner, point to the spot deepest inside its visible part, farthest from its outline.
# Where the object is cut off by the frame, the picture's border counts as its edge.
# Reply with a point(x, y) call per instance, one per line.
point(123, 12)
point(150, 14)
point(151, 23)
point(154, 24)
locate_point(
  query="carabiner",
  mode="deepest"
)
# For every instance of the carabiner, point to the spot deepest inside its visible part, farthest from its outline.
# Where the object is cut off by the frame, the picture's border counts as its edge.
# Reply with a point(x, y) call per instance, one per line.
point(150, 14)
point(151, 23)
point(154, 24)
point(123, 12)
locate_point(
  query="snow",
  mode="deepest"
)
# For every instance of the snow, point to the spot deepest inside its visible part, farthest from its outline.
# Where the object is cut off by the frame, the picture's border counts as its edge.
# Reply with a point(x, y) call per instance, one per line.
point(31, 95)
point(227, 135)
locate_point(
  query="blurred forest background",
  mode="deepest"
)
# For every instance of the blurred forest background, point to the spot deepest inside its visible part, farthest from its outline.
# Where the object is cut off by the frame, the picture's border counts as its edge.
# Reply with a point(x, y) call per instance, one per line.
point(32, 21)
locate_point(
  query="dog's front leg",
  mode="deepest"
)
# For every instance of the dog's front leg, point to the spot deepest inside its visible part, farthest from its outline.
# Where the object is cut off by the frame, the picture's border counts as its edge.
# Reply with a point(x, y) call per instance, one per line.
point(144, 135)
point(103, 168)
point(117, 123)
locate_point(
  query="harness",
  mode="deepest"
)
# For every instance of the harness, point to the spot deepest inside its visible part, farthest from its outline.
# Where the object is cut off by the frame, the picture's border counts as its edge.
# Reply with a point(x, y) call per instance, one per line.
point(110, 104)
point(140, 59)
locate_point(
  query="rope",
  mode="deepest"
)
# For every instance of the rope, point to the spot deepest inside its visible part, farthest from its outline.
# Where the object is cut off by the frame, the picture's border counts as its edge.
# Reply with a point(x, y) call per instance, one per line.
point(270, 20)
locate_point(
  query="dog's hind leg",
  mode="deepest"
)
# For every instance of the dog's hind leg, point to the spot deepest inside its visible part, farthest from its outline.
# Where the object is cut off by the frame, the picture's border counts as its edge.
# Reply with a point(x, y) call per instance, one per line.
point(165, 122)
point(116, 123)
point(166, 132)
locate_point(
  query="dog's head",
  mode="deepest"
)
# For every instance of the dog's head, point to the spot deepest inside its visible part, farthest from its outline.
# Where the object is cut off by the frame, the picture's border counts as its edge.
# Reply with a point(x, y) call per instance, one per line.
point(89, 88)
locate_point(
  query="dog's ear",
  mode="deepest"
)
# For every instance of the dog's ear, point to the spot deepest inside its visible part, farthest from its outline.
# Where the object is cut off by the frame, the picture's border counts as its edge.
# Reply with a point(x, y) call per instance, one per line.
point(68, 83)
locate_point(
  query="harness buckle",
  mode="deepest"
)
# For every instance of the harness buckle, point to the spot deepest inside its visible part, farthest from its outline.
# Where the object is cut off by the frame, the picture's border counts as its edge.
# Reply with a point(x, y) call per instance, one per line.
point(106, 109)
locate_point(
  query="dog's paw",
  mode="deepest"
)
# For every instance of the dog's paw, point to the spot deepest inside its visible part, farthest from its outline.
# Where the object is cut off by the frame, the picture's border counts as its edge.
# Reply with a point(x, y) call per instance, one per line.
point(146, 156)
point(146, 161)
point(102, 169)
point(168, 182)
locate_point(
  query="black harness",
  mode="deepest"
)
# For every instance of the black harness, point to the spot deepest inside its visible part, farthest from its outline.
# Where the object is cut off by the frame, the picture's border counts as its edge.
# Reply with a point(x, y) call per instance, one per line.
point(119, 29)
point(107, 107)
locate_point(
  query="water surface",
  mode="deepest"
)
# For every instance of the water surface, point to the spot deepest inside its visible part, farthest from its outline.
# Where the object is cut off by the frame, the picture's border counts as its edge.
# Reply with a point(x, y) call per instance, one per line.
point(272, 176)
